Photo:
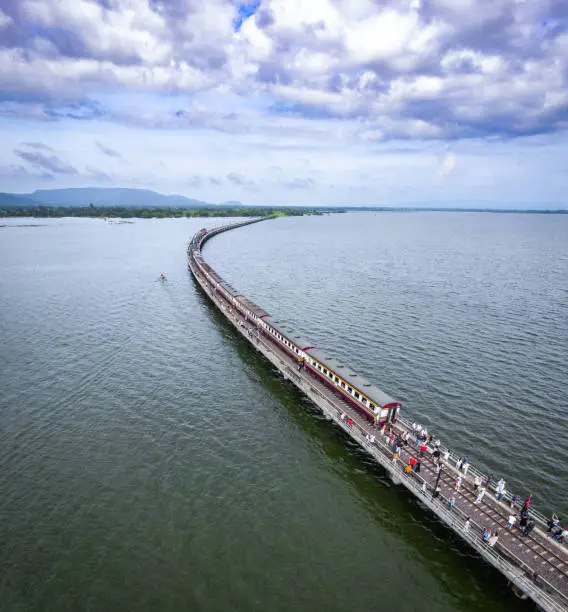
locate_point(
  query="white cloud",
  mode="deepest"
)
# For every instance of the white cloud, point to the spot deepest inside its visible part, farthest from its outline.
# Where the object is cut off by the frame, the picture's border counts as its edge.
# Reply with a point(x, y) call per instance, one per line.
point(447, 165)
point(5, 20)
point(333, 81)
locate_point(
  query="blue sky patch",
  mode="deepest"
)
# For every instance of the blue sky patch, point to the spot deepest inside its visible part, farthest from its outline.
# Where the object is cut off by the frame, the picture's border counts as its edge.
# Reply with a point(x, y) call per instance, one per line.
point(245, 10)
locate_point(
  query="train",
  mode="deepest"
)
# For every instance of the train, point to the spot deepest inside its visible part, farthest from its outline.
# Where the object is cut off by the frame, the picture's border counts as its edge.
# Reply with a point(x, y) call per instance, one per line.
point(370, 401)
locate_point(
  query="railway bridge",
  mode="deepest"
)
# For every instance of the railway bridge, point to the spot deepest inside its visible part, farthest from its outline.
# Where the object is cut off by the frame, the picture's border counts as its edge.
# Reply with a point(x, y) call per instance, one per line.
point(536, 566)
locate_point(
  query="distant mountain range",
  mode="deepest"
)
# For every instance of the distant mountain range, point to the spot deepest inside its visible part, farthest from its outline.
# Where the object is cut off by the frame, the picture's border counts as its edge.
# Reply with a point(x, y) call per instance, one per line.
point(143, 198)
point(109, 197)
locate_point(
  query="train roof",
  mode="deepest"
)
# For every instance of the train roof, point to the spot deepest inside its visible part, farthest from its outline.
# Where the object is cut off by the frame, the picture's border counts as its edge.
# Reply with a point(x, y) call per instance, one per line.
point(212, 273)
point(352, 378)
point(250, 305)
point(229, 288)
point(287, 330)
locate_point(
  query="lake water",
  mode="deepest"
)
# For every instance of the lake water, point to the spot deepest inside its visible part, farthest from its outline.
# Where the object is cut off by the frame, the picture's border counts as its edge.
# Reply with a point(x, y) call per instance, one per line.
point(149, 460)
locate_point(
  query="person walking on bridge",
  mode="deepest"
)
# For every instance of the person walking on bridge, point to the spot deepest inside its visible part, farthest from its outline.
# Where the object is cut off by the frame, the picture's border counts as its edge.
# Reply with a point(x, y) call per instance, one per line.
point(477, 483)
point(553, 522)
point(417, 466)
point(500, 489)
point(561, 537)
point(527, 530)
point(524, 519)
point(480, 495)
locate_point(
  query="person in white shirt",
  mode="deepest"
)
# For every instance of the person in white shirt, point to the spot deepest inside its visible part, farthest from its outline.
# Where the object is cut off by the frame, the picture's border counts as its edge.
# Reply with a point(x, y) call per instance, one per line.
point(511, 521)
point(480, 495)
point(477, 483)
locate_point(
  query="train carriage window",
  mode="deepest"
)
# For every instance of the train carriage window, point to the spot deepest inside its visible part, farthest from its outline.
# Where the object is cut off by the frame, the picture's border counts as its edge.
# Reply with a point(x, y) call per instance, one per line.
point(356, 395)
point(336, 379)
point(343, 385)
point(319, 367)
point(324, 371)
point(372, 406)
point(331, 375)
point(350, 389)
point(314, 362)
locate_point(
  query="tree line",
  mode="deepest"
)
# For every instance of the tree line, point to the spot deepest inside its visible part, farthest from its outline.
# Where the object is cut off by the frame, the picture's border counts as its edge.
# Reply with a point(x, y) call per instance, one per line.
point(120, 212)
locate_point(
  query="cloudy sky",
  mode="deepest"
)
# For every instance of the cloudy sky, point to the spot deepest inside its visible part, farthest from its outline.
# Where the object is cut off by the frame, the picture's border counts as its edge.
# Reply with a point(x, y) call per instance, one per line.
point(361, 102)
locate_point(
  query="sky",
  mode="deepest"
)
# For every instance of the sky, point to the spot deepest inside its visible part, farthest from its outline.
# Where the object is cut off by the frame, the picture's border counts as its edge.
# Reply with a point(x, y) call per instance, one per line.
point(298, 102)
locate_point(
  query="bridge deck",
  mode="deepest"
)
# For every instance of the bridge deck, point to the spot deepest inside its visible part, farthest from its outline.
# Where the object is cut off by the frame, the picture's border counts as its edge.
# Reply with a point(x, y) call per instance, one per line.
point(541, 563)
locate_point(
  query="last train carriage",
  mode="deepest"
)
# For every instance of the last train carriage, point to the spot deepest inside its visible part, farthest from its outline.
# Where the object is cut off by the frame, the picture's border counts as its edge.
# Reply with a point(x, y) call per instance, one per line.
point(375, 404)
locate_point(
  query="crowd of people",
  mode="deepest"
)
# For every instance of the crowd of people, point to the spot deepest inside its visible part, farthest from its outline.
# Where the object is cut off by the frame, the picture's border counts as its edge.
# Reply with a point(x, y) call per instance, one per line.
point(425, 442)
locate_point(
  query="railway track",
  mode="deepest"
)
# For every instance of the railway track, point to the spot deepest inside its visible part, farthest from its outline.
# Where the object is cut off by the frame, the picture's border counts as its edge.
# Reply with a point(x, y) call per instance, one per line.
point(537, 551)
point(552, 566)
point(536, 565)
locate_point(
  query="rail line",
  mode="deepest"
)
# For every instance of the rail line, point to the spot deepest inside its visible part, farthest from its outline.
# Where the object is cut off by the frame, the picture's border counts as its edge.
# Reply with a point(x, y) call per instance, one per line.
point(535, 565)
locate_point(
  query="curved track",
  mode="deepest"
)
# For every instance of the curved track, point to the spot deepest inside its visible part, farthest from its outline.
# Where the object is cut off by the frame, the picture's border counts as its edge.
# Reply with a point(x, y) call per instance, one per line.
point(538, 559)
